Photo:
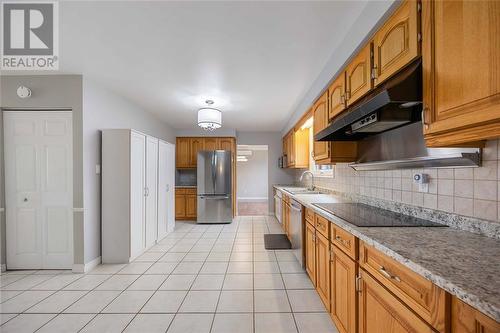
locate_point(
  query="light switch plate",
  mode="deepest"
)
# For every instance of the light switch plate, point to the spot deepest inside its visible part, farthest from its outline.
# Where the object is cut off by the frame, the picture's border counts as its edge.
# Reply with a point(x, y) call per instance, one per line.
point(97, 169)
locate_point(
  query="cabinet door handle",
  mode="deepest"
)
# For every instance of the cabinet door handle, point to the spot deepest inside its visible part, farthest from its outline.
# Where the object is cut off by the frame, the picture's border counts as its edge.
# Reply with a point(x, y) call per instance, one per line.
point(388, 275)
point(374, 73)
point(424, 121)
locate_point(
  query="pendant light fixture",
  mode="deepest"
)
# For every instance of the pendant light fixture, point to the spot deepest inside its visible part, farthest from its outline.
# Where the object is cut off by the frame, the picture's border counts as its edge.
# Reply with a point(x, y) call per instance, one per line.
point(209, 118)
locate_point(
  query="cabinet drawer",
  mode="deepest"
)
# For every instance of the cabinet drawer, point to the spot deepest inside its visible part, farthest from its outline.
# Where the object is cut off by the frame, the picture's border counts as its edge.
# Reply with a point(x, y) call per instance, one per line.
point(180, 191)
point(309, 214)
point(344, 241)
point(321, 225)
point(190, 191)
point(421, 295)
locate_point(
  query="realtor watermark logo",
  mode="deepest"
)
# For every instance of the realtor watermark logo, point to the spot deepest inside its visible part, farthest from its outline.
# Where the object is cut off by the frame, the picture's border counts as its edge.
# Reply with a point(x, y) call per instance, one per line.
point(30, 35)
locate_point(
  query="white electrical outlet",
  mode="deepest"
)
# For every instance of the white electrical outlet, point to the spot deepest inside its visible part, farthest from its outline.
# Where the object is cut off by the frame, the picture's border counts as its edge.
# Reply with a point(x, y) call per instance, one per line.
point(97, 169)
point(422, 180)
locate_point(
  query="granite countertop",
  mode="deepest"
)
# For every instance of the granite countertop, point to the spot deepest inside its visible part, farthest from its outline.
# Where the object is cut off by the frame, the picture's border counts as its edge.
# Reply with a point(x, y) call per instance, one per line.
point(185, 186)
point(463, 263)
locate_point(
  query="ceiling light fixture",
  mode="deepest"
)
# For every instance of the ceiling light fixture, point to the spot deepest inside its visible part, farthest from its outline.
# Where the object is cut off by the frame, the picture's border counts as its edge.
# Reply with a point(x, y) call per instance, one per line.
point(209, 118)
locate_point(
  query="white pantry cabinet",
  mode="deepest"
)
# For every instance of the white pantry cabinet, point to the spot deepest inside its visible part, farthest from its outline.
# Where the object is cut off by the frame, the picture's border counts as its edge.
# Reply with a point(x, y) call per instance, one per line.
point(166, 188)
point(132, 168)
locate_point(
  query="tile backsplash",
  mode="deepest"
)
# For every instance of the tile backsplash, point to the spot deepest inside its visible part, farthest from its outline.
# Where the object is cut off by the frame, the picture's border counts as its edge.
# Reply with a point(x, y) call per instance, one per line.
point(473, 192)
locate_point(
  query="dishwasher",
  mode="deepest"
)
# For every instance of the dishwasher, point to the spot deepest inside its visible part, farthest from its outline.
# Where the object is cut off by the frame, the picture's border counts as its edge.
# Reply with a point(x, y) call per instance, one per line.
point(277, 205)
point(297, 231)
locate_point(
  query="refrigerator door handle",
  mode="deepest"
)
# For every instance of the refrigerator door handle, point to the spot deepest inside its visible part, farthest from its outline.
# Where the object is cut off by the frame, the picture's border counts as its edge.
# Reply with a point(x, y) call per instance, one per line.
point(214, 197)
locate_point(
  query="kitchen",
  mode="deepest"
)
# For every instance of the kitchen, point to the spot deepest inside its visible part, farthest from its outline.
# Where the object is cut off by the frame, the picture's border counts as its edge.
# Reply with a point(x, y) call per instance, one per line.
point(382, 172)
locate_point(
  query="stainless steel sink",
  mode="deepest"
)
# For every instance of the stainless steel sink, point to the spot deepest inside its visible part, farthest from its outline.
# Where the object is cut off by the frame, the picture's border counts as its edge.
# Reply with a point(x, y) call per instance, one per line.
point(301, 191)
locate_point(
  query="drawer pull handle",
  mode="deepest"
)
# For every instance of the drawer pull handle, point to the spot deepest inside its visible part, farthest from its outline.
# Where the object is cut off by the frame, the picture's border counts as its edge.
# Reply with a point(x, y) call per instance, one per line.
point(343, 241)
point(388, 275)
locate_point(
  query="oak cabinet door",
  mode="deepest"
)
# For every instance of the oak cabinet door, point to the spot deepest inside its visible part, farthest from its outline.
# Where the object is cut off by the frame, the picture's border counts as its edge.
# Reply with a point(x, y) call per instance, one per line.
point(336, 96)
point(320, 112)
point(291, 148)
point(358, 76)
point(323, 269)
point(191, 205)
point(311, 253)
point(195, 145)
point(226, 144)
point(382, 312)
point(461, 71)
point(180, 206)
point(465, 319)
point(182, 157)
point(396, 44)
point(343, 272)
point(210, 144)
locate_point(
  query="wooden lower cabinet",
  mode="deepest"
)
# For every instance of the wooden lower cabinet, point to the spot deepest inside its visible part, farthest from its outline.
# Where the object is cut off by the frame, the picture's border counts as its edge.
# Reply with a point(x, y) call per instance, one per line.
point(465, 319)
point(185, 204)
point(311, 252)
point(180, 205)
point(191, 206)
point(323, 268)
point(381, 312)
point(343, 308)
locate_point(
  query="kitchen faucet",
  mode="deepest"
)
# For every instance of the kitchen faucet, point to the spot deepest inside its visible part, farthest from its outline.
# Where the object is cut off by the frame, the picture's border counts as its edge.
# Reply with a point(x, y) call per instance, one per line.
point(310, 188)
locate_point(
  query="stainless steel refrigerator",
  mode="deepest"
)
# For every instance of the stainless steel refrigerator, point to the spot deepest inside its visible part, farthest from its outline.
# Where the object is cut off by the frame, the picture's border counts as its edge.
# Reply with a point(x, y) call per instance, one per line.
point(214, 187)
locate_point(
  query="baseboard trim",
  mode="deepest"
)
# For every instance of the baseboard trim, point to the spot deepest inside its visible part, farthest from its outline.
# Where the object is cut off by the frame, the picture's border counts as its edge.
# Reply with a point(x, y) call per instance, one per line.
point(252, 199)
point(3, 267)
point(84, 268)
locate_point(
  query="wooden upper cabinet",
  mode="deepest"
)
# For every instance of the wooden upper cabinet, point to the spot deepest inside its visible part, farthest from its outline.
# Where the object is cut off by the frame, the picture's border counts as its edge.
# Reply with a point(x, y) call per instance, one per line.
point(296, 148)
point(226, 144)
point(396, 43)
point(343, 271)
point(195, 145)
point(320, 112)
point(336, 96)
point(461, 71)
point(358, 78)
point(465, 319)
point(182, 157)
point(210, 144)
point(380, 311)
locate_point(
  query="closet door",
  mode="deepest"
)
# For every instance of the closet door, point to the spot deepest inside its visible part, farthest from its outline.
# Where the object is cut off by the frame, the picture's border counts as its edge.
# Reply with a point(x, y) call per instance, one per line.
point(137, 192)
point(166, 178)
point(39, 189)
point(151, 191)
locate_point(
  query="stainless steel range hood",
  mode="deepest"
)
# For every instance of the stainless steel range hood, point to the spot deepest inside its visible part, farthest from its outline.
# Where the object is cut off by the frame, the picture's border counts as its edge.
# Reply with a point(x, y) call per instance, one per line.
point(387, 126)
point(405, 148)
point(395, 103)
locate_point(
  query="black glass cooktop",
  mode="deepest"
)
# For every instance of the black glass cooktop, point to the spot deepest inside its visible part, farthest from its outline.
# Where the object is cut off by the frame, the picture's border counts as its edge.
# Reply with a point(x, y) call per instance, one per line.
point(362, 215)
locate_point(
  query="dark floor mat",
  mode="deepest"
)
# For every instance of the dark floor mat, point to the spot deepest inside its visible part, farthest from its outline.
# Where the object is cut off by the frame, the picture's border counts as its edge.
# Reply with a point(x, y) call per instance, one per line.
point(277, 242)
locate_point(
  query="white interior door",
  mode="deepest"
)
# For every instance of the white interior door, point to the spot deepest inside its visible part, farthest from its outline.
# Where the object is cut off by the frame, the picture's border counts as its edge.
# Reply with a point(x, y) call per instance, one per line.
point(137, 193)
point(151, 191)
point(39, 189)
point(166, 178)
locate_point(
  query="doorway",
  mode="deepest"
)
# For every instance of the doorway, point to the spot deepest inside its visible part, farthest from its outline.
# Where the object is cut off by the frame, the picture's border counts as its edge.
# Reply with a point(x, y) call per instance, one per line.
point(252, 178)
point(38, 148)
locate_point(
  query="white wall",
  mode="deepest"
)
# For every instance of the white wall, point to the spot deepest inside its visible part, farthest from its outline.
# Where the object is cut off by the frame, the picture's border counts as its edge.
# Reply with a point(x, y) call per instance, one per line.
point(102, 109)
point(276, 175)
point(252, 178)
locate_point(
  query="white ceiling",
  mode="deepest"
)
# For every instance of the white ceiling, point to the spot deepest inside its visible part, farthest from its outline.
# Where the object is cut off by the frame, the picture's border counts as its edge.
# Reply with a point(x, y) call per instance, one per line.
point(257, 60)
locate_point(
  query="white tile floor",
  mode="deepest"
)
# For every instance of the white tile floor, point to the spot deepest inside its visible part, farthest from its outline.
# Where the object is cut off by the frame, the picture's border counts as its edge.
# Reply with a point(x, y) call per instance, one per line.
point(200, 278)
